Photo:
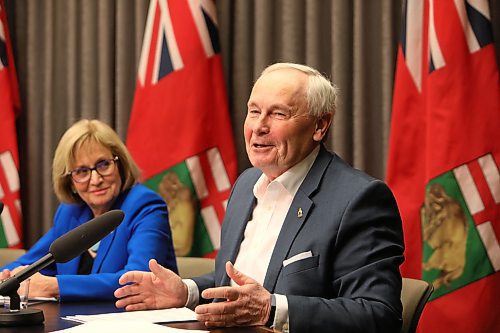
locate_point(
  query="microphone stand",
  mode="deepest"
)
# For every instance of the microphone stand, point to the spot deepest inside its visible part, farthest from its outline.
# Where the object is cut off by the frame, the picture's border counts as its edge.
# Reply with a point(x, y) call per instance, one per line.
point(63, 249)
point(15, 316)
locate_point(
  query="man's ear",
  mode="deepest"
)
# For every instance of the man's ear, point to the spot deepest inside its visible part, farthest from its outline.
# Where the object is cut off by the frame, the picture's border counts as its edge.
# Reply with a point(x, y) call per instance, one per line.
point(322, 125)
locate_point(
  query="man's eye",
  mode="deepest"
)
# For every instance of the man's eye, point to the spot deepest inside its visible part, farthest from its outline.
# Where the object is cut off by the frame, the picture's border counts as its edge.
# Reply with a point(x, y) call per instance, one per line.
point(279, 115)
point(254, 113)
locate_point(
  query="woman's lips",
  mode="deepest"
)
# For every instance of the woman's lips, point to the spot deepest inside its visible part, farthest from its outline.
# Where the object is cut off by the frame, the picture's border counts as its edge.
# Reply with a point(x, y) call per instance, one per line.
point(100, 191)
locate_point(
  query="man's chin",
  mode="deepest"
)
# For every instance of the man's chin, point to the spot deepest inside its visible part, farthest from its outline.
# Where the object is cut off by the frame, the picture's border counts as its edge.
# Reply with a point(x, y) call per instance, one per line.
point(262, 164)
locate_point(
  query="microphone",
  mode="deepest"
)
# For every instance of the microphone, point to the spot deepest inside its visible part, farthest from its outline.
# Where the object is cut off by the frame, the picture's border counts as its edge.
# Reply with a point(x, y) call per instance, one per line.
point(63, 249)
point(73, 243)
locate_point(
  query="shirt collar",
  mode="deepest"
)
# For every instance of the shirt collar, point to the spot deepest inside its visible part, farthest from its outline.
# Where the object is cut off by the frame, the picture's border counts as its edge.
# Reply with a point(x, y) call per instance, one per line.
point(290, 179)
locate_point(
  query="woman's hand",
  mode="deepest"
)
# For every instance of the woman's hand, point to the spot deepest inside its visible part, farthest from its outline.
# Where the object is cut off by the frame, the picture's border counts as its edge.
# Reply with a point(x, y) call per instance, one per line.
point(5, 274)
point(40, 285)
point(43, 286)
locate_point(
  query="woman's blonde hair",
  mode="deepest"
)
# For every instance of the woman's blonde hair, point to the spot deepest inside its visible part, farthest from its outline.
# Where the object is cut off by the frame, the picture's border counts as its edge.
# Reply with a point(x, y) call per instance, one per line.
point(78, 135)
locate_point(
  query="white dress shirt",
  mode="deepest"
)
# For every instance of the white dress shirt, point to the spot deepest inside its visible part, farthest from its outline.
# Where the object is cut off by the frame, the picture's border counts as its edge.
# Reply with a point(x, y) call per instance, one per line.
point(261, 232)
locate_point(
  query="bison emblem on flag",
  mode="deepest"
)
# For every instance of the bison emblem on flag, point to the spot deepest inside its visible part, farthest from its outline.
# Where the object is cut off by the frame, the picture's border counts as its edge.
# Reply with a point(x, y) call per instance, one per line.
point(460, 206)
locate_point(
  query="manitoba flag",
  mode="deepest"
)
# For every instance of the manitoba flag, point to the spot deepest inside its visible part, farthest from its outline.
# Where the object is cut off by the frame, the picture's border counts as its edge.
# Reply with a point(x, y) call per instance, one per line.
point(11, 224)
point(444, 159)
point(179, 132)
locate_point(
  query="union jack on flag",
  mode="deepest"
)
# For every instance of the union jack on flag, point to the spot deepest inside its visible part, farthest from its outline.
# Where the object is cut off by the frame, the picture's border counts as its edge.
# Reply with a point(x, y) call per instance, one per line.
point(180, 121)
point(160, 51)
point(475, 20)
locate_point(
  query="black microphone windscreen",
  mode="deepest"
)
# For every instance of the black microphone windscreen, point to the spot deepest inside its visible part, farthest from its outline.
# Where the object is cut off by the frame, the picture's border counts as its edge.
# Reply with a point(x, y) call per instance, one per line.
point(83, 237)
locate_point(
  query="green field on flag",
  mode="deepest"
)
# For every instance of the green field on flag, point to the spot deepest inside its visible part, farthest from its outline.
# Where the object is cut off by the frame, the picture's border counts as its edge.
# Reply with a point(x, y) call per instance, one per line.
point(3, 239)
point(201, 240)
point(477, 263)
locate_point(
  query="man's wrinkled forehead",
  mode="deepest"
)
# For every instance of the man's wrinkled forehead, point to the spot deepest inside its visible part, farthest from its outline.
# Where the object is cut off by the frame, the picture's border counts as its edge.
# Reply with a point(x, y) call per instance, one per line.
point(287, 82)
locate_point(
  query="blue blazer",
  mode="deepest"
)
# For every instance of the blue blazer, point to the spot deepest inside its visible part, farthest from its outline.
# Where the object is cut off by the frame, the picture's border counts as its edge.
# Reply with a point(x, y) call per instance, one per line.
point(143, 234)
point(351, 224)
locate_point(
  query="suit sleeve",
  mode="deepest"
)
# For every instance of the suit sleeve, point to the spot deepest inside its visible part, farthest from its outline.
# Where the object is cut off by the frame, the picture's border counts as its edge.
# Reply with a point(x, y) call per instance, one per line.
point(204, 282)
point(366, 282)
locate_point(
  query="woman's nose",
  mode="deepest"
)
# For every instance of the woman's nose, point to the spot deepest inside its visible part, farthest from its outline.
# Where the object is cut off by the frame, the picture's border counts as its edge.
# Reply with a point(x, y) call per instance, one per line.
point(95, 177)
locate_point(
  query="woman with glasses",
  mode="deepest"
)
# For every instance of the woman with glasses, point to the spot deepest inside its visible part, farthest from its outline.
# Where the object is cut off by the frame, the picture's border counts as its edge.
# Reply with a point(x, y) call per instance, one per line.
point(93, 173)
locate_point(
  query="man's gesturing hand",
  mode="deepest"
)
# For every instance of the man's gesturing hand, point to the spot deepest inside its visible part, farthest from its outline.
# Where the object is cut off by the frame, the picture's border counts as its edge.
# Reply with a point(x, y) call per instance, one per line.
point(159, 289)
point(246, 304)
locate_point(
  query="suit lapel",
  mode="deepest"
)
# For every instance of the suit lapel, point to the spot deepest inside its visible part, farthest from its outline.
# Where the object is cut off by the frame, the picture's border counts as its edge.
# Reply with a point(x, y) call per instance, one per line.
point(243, 206)
point(297, 215)
point(238, 227)
point(293, 222)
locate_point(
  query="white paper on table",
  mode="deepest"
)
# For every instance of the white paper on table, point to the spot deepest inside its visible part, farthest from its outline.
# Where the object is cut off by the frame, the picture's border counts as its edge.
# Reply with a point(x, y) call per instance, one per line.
point(149, 316)
point(124, 327)
point(43, 299)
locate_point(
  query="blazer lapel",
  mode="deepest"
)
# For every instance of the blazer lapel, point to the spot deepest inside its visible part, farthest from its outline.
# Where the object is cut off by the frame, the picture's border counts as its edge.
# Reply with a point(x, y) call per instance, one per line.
point(243, 206)
point(71, 267)
point(106, 242)
point(102, 251)
point(297, 215)
point(293, 222)
point(238, 227)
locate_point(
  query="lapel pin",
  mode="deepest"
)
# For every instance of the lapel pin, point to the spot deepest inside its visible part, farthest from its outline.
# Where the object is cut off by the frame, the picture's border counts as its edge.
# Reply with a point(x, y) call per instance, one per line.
point(299, 213)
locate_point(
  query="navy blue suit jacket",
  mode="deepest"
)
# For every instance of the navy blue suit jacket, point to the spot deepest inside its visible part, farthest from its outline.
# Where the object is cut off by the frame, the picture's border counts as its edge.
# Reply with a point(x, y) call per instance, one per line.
point(143, 234)
point(351, 224)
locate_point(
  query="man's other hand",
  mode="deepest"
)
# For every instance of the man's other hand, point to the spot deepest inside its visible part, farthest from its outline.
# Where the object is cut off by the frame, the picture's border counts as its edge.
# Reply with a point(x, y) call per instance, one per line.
point(247, 304)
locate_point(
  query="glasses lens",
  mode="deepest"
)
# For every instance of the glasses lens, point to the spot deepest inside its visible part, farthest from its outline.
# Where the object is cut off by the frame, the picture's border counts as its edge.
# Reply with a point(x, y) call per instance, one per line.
point(81, 174)
point(104, 168)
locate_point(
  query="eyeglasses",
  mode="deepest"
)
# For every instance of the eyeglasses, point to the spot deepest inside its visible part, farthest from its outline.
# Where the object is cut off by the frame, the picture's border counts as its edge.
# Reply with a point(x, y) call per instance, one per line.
point(103, 168)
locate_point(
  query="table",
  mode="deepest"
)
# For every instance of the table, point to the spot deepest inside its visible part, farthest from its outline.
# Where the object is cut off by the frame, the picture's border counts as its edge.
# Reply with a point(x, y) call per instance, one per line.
point(53, 311)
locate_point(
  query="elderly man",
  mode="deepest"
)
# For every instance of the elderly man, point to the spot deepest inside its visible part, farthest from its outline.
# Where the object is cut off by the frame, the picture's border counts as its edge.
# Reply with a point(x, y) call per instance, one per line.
point(308, 243)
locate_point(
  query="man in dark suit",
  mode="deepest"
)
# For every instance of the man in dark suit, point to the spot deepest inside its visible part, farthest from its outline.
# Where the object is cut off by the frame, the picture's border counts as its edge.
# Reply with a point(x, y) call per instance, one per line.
point(308, 243)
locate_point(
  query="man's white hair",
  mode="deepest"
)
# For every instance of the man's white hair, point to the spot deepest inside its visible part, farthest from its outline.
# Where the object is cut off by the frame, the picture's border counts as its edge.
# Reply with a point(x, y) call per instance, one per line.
point(321, 93)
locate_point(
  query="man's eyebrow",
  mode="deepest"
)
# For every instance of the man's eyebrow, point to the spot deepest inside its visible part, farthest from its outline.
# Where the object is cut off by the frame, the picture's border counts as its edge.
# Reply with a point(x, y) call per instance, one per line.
point(274, 106)
point(281, 106)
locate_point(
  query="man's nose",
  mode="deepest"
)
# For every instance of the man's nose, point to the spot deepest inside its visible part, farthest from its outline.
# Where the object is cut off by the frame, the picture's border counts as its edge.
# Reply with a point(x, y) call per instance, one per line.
point(261, 124)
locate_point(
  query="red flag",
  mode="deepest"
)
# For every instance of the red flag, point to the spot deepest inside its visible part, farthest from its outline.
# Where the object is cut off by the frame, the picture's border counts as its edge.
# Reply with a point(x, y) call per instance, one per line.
point(444, 157)
point(11, 224)
point(179, 132)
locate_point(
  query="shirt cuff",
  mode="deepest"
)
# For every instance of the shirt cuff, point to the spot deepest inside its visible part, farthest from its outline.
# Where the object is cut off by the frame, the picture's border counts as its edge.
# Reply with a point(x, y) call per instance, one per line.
point(194, 294)
point(281, 314)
